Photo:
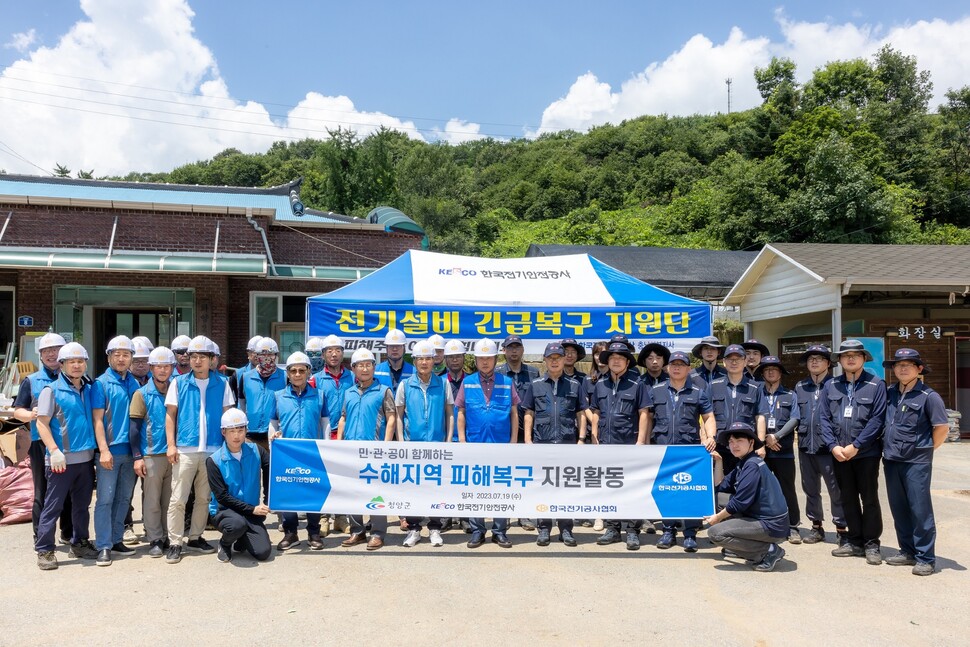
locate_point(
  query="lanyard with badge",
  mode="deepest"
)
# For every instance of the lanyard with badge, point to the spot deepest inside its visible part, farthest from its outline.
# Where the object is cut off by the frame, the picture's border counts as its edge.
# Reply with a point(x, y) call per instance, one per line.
point(772, 421)
point(849, 391)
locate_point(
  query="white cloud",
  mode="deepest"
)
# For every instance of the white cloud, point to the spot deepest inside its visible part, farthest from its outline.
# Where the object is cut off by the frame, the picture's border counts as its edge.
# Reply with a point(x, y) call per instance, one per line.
point(22, 41)
point(458, 131)
point(692, 79)
point(152, 70)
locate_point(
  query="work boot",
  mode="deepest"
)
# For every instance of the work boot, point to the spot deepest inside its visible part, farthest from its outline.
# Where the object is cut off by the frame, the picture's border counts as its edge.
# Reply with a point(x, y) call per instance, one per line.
point(815, 536)
point(316, 543)
point(690, 543)
point(566, 537)
point(632, 540)
point(290, 540)
point(611, 536)
point(476, 540)
point(873, 555)
point(83, 550)
point(848, 550)
point(501, 539)
point(924, 568)
point(543, 538)
point(46, 560)
point(668, 539)
point(794, 537)
point(901, 559)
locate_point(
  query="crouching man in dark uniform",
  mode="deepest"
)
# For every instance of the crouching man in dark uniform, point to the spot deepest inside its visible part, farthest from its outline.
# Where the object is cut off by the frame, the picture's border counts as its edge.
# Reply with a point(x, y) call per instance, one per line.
point(236, 471)
point(754, 517)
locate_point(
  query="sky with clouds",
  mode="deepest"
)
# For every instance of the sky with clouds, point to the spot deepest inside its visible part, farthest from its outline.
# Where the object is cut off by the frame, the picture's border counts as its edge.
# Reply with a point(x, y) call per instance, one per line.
point(147, 85)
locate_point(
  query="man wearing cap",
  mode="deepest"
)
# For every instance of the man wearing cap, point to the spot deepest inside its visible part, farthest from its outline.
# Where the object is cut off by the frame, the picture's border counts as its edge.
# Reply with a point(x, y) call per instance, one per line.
point(780, 423)
point(194, 405)
point(368, 414)
point(391, 371)
point(25, 410)
point(653, 358)
point(149, 446)
point(455, 363)
point(679, 407)
point(251, 363)
point(752, 518)
point(574, 353)
point(815, 462)
point(620, 405)
point(488, 412)
point(333, 380)
point(709, 350)
point(299, 410)
point(258, 386)
point(180, 346)
point(916, 426)
point(554, 406)
point(424, 414)
point(736, 397)
point(754, 352)
point(521, 375)
point(65, 424)
point(438, 343)
point(111, 400)
point(852, 421)
point(236, 472)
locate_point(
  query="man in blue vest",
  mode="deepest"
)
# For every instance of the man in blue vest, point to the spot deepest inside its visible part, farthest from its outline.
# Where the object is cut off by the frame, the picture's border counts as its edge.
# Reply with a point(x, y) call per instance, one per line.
point(66, 427)
point(180, 346)
point(679, 406)
point(111, 400)
point(149, 446)
point(521, 375)
point(852, 422)
point(236, 472)
point(368, 414)
point(916, 426)
point(780, 422)
point(736, 397)
point(488, 412)
point(25, 410)
point(424, 414)
point(391, 371)
point(194, 406)
point(752, 518)
point(314, 351)
point(251, 361)
point(258, 386)
point(709, 350)
point(815, 461)
point(554, 406)
point(139, 360)
point(299, 411)
point(620, 404)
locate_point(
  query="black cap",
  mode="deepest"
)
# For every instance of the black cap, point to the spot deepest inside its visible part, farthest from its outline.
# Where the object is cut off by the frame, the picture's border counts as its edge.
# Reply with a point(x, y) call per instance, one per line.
point(906, 355)
point(654, 347)
point(572, 343)
point(740, 429)
point(617, 348)
point(511, 339)
point(770, 360)
point(754, 344)
point(554, 348)
point(815, 349)
point(622, 339)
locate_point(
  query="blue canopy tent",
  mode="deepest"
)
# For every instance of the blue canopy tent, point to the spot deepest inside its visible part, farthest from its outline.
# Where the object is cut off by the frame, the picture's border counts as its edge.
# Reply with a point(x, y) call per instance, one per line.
point(541, 299)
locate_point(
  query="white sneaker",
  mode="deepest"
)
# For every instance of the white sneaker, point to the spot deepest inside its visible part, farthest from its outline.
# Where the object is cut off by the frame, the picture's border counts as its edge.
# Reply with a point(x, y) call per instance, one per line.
point(436, 539)
point(414, 536)
point(598, 525)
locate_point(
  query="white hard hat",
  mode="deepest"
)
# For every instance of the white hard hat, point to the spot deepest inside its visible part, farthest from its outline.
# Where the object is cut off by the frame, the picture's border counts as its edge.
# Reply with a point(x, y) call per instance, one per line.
point(437, 342)
point(141, 339)
point(181, 342)
point(50, 340)
point(395, 337)
point(422, 349)
point(486, 348)
point(251, 344)
point(454, 347)
point(161, 355)
point(314, 345)
point(215, 349)
point(297, 358)
point(331, 341)
point(234, 418)
point(73, 350)
point(142, 350)
point(120, 343)
point(266, 345)
point(202, 344)
point(361, 355)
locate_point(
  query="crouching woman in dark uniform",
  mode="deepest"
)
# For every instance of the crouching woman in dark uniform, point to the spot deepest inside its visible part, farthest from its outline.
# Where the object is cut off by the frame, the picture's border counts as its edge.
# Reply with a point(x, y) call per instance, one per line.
point(753, 517)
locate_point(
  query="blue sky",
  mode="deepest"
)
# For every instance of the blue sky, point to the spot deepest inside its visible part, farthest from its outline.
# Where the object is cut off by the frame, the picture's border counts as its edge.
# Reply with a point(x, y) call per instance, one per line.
point(504, 69)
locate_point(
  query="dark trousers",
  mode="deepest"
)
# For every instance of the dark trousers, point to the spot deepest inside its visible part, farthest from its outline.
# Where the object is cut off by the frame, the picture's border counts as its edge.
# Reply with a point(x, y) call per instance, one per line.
point(414, 523)
point(690, 526)
point(77, 482)
point(784, 471)
point(815, 468)
point(291, 521)
point(38, 474)
point(859, 481)
point(908, 488)
point(249, 531)
point(546, 524)
point(630, 525)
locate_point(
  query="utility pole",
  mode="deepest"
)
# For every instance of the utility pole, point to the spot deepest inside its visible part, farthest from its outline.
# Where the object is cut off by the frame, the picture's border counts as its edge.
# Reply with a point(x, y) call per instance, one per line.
point(728, 81)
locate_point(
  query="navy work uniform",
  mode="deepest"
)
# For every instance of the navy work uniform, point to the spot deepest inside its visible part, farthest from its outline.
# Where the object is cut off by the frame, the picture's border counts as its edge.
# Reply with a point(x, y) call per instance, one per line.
point(782, 408)
point(741, 402)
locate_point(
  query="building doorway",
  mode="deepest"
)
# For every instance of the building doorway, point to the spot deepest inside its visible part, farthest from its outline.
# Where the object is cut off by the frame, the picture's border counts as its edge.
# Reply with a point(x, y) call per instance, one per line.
point(110, 322)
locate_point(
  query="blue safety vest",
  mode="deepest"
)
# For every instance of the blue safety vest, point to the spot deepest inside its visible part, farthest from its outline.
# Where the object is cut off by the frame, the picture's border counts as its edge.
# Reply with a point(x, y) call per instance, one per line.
point(259, 395)
point(382, 374)
point(117, 392)
point(424, 409)
point(491, 421)
point(333, 392)
point(73, 424)
point(38, 381)
point(555, 411)
point(187, 431)
point(301, 415)
point(364, 413)
point(242, 476)
point(153, 440)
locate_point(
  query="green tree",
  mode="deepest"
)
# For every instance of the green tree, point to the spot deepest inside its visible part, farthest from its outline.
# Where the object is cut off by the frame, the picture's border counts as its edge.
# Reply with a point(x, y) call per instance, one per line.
point(61, 171)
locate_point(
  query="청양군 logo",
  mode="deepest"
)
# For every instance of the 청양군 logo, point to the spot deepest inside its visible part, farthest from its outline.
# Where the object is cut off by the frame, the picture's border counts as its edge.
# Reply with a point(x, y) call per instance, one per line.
point(375, 504)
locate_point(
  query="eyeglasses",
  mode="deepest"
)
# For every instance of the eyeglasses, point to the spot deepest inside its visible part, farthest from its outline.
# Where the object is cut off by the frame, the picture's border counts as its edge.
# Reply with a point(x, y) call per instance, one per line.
point(180, 352)
point(296, 371)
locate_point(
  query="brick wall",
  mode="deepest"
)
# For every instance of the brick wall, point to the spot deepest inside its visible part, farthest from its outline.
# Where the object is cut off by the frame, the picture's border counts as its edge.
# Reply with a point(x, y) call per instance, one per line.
point(342, 247)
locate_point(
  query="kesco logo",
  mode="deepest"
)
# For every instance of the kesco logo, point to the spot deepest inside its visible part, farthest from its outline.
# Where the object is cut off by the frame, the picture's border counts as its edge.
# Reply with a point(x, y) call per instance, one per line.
point(682, 478)
point(456, 271)
point(443, 506)
point(297, 470)
point(375, 504)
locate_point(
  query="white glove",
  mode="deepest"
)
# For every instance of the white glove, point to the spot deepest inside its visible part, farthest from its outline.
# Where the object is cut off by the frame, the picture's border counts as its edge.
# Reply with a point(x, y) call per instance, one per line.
point(58, 462)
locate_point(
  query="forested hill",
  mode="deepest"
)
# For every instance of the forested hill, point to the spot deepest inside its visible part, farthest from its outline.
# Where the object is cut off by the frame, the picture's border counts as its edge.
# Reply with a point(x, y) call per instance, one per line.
point(855, 155)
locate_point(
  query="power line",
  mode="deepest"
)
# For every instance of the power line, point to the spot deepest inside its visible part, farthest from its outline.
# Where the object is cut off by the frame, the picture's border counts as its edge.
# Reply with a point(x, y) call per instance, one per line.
point(10, 151)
